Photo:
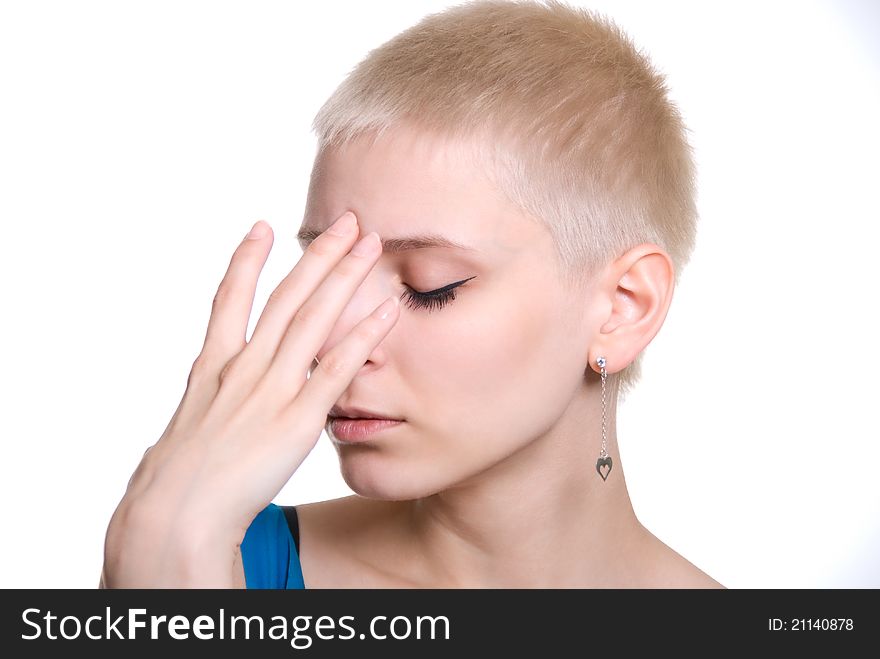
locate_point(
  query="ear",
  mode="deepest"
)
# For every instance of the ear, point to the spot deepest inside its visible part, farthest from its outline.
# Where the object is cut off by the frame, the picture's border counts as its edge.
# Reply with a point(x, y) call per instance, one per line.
point(634, 294)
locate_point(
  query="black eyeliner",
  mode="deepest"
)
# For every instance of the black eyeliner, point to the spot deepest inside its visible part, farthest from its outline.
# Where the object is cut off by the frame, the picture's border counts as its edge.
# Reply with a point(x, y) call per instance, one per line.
point(435, 299)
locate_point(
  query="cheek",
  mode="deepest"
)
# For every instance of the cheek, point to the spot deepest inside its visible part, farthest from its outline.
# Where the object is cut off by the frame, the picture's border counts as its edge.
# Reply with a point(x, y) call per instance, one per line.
point(490, 353)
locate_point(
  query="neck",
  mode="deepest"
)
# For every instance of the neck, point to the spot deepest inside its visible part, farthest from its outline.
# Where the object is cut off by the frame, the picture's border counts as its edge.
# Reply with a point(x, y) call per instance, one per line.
point(499, 528)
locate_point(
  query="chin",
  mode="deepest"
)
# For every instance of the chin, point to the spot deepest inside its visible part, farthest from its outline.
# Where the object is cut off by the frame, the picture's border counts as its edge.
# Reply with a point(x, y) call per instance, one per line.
point(376, 479)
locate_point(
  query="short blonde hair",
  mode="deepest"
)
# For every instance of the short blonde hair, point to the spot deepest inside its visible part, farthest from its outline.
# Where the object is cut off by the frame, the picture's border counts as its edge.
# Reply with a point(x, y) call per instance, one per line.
point(573, 121)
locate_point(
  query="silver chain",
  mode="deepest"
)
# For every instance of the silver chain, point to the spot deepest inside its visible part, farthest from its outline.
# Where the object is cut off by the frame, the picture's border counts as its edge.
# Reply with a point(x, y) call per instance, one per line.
point(600, 362)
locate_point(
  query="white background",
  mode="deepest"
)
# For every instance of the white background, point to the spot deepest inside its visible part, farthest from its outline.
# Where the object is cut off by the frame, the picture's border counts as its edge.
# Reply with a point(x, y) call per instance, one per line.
point(140, 141)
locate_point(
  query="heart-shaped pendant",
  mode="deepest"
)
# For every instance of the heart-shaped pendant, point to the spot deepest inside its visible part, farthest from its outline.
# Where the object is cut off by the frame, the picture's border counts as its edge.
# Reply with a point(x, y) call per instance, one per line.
point(603, 462)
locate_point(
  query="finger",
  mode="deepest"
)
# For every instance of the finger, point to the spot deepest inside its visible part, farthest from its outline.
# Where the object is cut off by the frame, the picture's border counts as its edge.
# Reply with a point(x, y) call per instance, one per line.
point(337, 368)
point(318, 260)
point(312, 323)
point(227, 327)
point(231, 308)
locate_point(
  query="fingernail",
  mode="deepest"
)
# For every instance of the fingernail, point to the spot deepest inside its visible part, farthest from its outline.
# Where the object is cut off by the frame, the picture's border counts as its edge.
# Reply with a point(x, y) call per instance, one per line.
point(344, 225)
point(257, 231)
point(385, 308)
point(368, 245)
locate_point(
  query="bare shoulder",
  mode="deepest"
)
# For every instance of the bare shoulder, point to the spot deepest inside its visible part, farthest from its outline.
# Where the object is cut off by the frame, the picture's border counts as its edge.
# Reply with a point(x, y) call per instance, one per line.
point(669, 569)
point(345, 542)
point(355, 542)
point(688, 575)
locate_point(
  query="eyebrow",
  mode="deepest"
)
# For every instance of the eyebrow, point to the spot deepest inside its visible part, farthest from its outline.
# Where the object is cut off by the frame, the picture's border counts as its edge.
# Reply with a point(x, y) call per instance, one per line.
point(397, 245)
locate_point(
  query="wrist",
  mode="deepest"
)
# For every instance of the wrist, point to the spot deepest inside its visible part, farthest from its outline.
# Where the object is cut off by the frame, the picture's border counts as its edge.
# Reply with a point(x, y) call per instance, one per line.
point(146, 547)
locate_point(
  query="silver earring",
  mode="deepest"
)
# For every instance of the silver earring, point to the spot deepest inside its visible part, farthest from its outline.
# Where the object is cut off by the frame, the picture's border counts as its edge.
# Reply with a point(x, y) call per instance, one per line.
point(604, 459)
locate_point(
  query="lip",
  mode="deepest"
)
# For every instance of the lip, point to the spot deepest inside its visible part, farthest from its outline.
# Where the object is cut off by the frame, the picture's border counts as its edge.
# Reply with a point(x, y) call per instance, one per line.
point(358, 413)
point(360, 430)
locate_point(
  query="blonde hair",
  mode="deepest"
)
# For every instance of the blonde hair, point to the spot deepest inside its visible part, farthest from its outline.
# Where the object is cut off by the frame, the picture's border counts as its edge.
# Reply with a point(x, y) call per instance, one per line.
point(573, 121)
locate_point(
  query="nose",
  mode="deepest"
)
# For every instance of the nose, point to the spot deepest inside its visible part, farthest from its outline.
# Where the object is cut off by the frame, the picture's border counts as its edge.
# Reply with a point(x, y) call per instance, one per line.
point(374, 290)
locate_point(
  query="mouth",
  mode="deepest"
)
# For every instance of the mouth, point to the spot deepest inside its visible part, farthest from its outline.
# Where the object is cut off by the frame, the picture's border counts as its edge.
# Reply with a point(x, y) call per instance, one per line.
point(362, 418)
point(349, 429)
point(359, 413)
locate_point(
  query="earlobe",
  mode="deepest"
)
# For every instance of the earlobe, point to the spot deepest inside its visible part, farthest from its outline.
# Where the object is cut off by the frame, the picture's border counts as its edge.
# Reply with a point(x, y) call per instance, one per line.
point(639, 285)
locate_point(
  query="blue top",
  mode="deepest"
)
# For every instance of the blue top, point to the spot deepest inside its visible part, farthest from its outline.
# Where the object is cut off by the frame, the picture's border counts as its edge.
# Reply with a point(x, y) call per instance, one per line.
point(268, 552)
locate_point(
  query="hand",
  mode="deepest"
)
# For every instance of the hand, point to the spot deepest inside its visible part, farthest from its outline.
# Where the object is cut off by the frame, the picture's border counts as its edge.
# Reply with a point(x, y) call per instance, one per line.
point(249, 415)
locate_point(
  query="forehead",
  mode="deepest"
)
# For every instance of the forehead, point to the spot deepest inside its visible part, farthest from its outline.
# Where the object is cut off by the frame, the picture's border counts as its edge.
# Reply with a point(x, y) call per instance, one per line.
point(410, 183)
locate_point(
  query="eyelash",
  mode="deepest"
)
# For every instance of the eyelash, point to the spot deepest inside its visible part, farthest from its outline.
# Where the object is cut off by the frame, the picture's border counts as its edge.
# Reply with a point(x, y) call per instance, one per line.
point(433, 299)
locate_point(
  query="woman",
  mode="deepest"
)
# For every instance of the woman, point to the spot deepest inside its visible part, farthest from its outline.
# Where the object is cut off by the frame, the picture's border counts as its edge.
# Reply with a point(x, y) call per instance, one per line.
point(533, 192)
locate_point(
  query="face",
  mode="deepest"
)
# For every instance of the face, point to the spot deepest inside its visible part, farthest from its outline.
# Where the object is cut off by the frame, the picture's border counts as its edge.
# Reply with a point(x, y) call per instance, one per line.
point(477, 377)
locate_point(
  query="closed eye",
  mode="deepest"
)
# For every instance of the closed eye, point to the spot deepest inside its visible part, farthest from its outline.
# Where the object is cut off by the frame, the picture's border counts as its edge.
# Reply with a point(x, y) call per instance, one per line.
point(435, 299)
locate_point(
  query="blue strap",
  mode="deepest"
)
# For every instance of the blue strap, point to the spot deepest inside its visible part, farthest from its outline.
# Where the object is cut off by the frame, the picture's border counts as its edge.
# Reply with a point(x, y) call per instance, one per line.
point(268, 552)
